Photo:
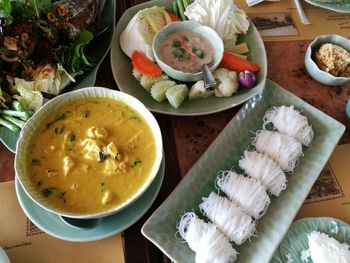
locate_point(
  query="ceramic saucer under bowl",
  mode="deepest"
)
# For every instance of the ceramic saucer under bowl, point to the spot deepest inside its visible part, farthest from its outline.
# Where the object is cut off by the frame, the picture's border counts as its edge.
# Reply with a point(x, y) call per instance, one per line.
point(53, 225)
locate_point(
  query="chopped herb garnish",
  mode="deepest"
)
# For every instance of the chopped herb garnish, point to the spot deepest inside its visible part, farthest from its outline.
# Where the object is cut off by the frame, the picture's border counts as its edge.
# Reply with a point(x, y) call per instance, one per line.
point(135, 118)
point(176, 43)
point(85, 114)
point(36, 162)
point(72, 137)
point(58, 118)
point(47, 191)
point(102, 184)
point(59, 130)
point(136, 162)
point(61, 195)
point(180, 53)
point(102, 156)
point(199, 53)
point(39, 183)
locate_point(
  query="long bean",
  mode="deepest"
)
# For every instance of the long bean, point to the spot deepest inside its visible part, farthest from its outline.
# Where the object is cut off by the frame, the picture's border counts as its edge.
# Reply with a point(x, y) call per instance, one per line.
point(14, 120)
point(9, 125)
point(176, 9)
point(13, 113)
point(181, 10)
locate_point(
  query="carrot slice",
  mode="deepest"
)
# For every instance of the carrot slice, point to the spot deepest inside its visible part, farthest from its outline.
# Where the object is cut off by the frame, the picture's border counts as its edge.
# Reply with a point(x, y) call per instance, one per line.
point(144, 65)
point(238, 64)
point(174, 17)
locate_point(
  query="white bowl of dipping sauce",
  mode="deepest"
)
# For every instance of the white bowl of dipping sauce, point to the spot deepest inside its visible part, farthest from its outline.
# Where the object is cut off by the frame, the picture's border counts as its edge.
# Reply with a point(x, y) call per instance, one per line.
point(181, 48)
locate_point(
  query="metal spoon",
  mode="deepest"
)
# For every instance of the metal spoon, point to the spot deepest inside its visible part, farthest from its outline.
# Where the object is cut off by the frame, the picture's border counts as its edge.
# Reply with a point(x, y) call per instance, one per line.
point(208, 78)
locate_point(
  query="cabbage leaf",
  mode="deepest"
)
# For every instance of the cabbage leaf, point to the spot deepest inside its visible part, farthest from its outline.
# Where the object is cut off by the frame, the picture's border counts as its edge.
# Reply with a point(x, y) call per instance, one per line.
point(138, 34)
point(30, 98)
point(223, 16)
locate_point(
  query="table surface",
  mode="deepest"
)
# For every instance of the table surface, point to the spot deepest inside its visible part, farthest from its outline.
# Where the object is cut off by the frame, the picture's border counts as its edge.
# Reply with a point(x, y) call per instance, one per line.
point(186, 138)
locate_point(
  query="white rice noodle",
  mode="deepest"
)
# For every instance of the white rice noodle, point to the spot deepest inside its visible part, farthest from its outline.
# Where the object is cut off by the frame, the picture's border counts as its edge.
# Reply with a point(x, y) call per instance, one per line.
point(247, 192)
point(231, 219)
point(209, 244)
point(260, 166)
point(283, 149)
point(289, 121)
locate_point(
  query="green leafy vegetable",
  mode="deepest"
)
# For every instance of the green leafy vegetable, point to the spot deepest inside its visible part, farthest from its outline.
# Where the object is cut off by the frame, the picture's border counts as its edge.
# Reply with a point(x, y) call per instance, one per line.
point(48, 191)
point(5, 11)
point(73, 58)
point(102, 157)
point(40, 6)
point(36, 162)
point(58, 118)
point(136, 162)
point(72, 137)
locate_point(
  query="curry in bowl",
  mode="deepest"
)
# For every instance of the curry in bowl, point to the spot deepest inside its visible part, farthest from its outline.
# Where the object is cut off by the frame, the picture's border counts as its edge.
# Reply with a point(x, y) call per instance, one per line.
point(90, 156)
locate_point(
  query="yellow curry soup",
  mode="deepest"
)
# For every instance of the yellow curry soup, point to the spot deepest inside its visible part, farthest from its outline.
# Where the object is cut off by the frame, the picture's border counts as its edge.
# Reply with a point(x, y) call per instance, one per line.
point(91, 155)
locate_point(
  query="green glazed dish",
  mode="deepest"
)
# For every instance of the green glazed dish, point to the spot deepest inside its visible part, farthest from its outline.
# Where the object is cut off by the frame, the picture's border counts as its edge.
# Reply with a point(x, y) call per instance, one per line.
point(311, 66)
point(97, 50)
point(341, 6)
point(108, 226)
point(296, 239)
point(122, 72)
point(224, 154)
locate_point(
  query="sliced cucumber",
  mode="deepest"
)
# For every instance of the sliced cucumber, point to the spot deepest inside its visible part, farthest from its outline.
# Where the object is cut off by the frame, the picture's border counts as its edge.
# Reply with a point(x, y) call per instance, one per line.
point(136, 74)
point(176, 95)
point(158, 89)
point(148, 82)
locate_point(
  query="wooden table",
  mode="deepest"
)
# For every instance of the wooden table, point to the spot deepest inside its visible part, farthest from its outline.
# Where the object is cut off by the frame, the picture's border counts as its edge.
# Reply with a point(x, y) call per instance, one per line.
point(186, 138)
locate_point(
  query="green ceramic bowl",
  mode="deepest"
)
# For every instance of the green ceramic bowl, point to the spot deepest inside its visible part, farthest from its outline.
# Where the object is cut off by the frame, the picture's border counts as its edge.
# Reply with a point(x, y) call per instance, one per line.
point(205, 31)
point(314, 71)
point(347, 109)
point(34, 122)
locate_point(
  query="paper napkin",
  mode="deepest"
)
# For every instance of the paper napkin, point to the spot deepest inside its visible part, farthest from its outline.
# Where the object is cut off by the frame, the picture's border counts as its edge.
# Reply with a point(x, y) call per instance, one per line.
point(24, 242)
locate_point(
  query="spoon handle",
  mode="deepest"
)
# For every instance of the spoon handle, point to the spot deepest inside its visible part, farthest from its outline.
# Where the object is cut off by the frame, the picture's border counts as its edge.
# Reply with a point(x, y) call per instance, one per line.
point(208, 78)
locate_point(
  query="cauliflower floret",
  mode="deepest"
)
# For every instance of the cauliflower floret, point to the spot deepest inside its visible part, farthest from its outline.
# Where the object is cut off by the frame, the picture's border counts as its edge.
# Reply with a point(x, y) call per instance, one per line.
point(199, 91)
point(227, 82)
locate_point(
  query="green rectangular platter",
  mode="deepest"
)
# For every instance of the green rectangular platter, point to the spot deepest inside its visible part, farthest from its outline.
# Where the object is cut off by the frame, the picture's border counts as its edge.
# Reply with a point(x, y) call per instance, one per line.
point(223, 154)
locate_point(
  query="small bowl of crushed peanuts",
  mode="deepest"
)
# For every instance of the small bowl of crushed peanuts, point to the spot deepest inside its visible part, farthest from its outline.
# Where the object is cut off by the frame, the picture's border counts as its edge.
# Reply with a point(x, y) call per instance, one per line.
point(327, 60)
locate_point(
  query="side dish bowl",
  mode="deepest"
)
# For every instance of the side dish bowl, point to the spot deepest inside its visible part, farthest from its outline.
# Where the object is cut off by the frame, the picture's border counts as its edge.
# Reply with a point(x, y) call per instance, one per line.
point(40, 118)
point(204, 31)
point(315, 72)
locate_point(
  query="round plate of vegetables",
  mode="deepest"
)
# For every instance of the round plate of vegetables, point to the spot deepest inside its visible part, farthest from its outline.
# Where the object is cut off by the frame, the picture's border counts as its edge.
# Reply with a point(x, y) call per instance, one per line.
point(240, 76)
point(46, 48)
